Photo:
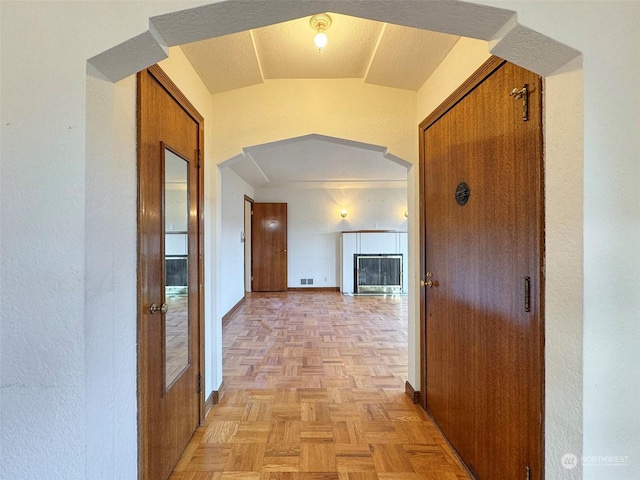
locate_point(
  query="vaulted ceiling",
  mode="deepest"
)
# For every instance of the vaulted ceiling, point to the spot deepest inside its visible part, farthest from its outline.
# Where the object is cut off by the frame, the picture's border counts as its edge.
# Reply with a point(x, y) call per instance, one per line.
point(378, 53)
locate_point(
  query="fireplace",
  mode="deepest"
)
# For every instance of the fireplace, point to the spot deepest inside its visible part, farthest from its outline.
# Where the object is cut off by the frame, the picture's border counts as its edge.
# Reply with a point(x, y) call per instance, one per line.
point(176, 275)
point(377, 273)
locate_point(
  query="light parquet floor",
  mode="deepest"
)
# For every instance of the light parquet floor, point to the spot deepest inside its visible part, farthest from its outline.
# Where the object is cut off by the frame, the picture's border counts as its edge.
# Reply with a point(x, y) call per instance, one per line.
point(314, 390)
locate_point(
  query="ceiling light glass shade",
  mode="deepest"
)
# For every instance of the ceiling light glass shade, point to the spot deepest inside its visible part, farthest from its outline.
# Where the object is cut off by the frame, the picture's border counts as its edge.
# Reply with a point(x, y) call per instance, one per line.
point(321, 40)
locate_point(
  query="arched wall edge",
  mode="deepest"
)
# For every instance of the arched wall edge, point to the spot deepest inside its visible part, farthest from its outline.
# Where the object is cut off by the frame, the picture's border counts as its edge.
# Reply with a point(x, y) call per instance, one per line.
point(507, 38)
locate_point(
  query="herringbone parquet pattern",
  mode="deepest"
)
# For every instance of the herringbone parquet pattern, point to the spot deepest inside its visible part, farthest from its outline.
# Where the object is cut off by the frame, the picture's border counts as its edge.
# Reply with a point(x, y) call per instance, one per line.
point(314, 390)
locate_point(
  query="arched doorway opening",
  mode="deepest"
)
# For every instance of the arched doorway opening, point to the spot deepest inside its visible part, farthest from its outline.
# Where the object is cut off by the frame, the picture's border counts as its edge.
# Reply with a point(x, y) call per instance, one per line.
point(547, 58)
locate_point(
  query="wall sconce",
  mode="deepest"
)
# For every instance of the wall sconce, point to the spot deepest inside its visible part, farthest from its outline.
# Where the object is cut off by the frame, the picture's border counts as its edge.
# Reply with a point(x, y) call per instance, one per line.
point(406, 214)
point(320, 23)
point(343, 213)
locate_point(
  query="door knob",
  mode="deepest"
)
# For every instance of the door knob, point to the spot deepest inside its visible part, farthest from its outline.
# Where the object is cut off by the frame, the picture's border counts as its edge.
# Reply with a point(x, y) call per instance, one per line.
point(427, 283)
point(155, 308)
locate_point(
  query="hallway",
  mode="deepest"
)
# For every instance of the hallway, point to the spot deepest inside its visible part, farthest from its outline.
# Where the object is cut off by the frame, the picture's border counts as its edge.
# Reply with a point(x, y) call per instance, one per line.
point(314, 390)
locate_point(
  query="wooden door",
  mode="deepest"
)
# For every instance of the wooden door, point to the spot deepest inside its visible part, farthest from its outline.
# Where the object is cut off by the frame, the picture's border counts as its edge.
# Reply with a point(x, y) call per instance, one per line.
point(269, 247)
point(170, 136)
point(482, 298)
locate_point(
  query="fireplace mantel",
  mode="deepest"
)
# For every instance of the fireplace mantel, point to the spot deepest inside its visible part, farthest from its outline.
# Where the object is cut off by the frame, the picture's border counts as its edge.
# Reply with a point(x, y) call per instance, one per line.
point(370, 242)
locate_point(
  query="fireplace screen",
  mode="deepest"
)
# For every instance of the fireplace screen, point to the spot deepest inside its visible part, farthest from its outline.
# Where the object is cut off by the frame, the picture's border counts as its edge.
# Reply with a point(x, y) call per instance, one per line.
point(176, 273)
point(378, 273)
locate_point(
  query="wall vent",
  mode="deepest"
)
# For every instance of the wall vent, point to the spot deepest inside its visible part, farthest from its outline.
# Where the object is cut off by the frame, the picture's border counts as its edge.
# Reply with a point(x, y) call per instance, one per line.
point(309, 281)
point(303, 281)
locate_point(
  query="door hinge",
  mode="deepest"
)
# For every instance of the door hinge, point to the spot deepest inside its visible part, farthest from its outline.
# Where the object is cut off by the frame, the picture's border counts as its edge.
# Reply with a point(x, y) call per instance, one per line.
point(199, 383)
point(527, 294)
point(252, 278)
point(522, 94)
point(527, 473)
point(199, 158)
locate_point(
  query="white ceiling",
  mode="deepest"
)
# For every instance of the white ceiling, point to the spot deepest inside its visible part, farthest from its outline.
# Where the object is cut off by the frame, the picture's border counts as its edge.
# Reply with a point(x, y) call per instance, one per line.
point(378, 53)
point(316, 161)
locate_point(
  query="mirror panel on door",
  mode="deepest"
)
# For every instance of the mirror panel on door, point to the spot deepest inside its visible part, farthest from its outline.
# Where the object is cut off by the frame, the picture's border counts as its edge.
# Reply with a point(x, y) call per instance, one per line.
point(176, 246)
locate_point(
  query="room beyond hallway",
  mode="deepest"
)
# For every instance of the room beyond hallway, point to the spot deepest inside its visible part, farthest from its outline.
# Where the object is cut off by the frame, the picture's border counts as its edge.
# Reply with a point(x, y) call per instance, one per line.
point(314, 390)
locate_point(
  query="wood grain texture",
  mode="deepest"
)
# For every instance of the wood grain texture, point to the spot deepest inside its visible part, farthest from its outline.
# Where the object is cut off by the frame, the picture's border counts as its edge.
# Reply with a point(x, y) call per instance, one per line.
point(167, 416)
point(314, 390)
point(412, 393)
point(269, 247)
point(483, 355)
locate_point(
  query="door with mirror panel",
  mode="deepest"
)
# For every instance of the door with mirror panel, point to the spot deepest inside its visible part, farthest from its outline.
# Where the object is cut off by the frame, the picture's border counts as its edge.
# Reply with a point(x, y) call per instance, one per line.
point(169, 273)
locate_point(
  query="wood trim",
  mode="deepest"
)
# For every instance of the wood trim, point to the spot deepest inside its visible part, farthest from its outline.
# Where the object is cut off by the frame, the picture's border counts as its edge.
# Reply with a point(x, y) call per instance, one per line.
point(164, 80)
point(249, 199)
point(486, 69)
point(413, 394)
point(233, 310)
point(201, 245)
point(213, 399)
point(313, 289)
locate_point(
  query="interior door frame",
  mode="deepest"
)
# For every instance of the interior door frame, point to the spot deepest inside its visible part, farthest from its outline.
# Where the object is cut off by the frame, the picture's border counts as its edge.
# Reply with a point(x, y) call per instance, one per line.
point(172, 89)
point(537, 294)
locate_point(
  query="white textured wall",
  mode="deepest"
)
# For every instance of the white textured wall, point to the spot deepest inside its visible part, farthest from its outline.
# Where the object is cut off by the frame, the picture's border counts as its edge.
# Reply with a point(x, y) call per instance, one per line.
point(314, 225)
point(564, 153)
point(341, 108)
point(232, 253)
point(464, 58)
point(43, 162)
point(110, 275)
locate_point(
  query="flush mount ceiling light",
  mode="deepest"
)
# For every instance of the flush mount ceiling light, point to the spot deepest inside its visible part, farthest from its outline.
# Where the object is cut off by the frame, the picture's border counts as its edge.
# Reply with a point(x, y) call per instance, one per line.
point(320, 23)
point(343, 213)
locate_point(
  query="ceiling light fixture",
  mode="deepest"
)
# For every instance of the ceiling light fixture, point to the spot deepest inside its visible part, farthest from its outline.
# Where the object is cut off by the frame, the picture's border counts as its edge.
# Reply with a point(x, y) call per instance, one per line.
point(320, 23)
point(343, 213)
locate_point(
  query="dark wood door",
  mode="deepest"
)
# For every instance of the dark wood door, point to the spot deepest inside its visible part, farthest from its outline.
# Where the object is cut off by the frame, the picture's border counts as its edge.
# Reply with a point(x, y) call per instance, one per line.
point(169, 272)
point(482, 269)
point(269, 247)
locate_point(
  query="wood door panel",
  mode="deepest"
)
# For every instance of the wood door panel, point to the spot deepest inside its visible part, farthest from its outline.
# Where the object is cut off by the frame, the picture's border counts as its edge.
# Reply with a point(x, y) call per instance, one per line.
point(269, 247)
point(168, 414)
point(483, 351)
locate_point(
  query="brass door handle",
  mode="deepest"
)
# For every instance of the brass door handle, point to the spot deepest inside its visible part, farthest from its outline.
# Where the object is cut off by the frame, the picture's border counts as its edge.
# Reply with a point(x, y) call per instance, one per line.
point(154, 308)
point(427, 284)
